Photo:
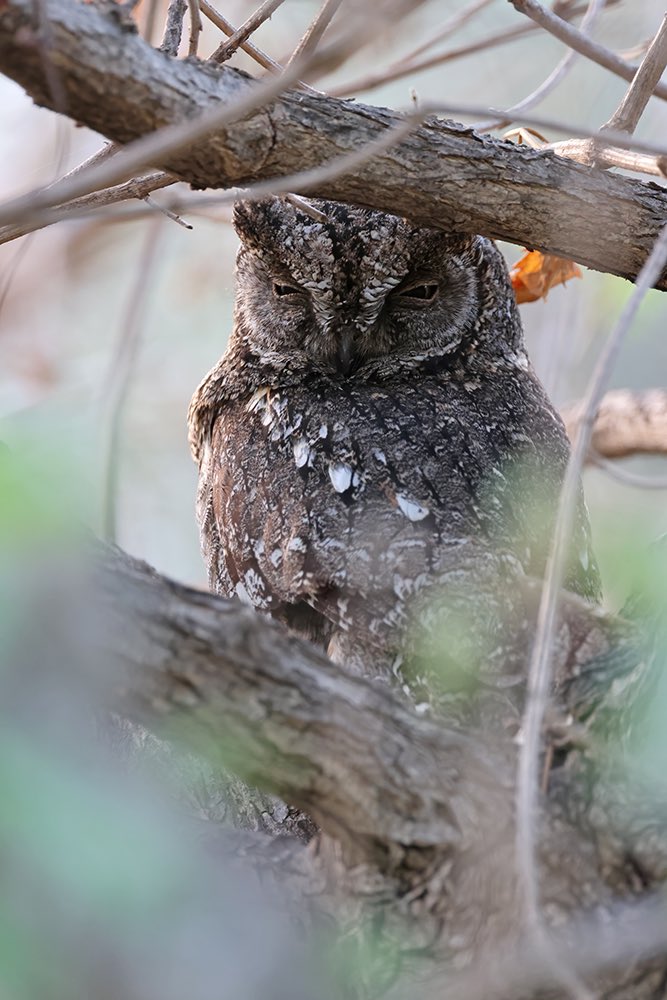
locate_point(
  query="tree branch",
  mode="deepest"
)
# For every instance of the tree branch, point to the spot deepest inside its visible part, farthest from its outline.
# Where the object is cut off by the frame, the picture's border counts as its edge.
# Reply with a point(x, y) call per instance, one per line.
point(370, 771)
point(626, 423)
point(442, 174)
point(577, 40)
point(423, 812)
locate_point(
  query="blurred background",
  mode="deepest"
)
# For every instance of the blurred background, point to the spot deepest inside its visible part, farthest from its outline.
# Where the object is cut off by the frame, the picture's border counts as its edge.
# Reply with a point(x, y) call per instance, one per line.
point(106, 891)
point(65, 292)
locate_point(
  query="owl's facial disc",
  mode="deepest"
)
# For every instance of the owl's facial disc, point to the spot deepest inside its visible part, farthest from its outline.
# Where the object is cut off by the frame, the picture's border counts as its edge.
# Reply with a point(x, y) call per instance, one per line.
point(358, 287)
point(345, 330)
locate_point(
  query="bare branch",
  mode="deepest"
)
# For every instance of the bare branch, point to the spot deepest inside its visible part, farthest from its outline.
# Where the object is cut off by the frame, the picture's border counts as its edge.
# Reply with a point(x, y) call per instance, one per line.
point(371, 771)
point(626, 423)
point(596, 152)
point(227, 49)
point(228, 29)
point(137, 188)
point(627, 115)
point(173, 31)
point(312, 36)
point(539, 677)
point(554, 78)
point(580, 42)
point(411, 63)
point(196, 26)
point(438, 176)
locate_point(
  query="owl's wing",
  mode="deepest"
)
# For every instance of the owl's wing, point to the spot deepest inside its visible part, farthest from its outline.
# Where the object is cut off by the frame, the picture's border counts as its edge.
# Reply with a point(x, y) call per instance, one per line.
point(351, 521)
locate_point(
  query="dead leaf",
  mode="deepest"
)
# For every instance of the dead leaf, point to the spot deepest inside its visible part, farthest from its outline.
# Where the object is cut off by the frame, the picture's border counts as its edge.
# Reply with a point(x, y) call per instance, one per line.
point(537, 272)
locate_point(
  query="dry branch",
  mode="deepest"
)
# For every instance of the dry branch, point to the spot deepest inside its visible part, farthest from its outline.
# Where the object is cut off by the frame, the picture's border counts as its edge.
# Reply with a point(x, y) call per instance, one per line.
point(578, 41)
point(369, 769)
point(426, 808)
point(626, 423)
point(227, 49)
point(443, 174)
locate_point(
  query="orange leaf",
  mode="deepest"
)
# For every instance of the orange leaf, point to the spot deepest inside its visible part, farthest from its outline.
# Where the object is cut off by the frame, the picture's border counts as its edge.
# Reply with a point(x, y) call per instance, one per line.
point(536, 273)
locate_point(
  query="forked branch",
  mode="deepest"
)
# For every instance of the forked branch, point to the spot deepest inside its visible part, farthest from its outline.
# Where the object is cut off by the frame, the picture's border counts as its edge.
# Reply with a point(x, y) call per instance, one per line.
point(442, 173)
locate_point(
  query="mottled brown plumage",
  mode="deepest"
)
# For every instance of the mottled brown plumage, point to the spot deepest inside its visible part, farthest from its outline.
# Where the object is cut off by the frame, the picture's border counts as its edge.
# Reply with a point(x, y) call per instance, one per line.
point(378, 460)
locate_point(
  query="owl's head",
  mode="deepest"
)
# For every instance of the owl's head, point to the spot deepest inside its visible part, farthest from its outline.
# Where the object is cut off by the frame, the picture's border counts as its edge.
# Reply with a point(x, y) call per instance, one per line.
point(362, 285)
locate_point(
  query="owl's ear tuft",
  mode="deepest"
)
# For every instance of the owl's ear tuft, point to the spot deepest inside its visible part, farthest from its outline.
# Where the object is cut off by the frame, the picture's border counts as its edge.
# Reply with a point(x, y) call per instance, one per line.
point(246, 221)
point(252, 220)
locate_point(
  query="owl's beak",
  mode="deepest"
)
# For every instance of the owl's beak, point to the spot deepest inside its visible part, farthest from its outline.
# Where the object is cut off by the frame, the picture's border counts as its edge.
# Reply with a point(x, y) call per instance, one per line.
point(344, 352)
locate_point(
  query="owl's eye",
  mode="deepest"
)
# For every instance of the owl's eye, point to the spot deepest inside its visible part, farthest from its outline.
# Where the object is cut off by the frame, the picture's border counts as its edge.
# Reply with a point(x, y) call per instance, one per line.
point(419, 293)
point(282, 291)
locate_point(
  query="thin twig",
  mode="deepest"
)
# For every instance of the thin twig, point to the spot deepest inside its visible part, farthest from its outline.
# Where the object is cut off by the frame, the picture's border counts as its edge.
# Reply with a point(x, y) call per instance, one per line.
point(167, 212)
point(10, 270)
point(313, 34)
point(305, 206)
point(171, 40)
point(580, 42)
point(227, 49)
point(446, 30)
point(627, 115)
point(407, 67)
point(216, 18)
point(539, 676)
point(152, 148)
point(63, 143)
point(260, 57)
point(120, 372)
point(410, 63)
point(196, 27)
point(556, 76)
point(596, 153)
point(137, 188)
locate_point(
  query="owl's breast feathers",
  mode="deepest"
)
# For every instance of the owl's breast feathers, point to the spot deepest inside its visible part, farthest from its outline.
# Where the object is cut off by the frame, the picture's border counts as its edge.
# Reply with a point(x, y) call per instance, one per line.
point(350, 498)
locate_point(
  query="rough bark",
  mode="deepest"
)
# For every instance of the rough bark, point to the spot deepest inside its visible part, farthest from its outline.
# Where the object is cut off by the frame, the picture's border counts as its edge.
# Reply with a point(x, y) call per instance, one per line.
point(417, 817)
point(423, 812)
point(443, 174)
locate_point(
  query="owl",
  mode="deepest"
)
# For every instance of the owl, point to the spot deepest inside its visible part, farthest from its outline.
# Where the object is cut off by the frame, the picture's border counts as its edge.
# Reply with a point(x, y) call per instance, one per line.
point(379, 466)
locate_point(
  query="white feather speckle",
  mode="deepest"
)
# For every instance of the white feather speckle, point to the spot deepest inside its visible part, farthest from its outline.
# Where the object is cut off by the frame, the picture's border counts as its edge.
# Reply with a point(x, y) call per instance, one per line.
point(301, 450)
point(340, 475)
point(412, 510)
